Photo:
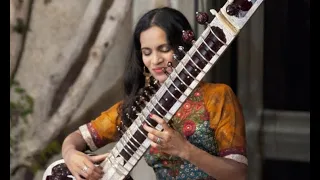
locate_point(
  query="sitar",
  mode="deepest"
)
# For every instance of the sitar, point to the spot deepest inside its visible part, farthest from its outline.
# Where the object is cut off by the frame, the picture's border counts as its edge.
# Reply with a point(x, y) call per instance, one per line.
point(166, 99)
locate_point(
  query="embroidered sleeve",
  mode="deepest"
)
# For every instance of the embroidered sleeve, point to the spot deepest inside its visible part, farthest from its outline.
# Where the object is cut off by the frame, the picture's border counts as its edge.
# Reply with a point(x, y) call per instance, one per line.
point(102, 130)
point(226, 118)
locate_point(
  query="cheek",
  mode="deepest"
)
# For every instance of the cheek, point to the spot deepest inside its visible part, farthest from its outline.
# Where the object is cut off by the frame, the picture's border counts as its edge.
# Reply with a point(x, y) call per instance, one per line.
point(174, 63)
point(146, 62)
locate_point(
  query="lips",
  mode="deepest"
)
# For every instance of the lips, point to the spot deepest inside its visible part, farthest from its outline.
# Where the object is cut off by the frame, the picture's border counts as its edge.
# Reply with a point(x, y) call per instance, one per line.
point(157, 70)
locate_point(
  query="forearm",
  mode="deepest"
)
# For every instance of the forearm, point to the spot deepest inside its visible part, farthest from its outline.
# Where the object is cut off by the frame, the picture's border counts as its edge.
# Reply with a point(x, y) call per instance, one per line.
point(217, 167)
point(73, 141)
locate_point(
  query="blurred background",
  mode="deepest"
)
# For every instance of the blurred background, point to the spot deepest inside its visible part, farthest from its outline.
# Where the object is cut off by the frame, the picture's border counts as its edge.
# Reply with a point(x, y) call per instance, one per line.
point(67, 60)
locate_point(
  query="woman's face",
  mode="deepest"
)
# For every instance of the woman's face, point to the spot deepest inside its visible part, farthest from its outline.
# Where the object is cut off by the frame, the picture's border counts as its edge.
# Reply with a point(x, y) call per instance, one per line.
point(156, 52)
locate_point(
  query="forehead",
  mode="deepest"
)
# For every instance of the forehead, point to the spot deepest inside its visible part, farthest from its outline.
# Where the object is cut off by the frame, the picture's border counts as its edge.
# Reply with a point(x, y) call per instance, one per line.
point(153, 36)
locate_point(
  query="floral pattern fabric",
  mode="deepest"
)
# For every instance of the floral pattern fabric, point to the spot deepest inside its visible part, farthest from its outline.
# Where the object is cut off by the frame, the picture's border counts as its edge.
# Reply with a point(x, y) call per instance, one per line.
point(192, 121)
point(210, 118)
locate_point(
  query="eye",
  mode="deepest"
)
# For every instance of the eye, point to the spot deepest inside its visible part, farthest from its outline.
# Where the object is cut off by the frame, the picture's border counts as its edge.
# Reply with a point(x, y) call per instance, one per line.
point(165, 48)
point(146, 52)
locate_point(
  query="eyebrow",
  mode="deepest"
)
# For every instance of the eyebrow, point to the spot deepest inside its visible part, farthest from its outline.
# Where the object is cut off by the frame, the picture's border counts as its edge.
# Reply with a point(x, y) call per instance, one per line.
point(161, 45)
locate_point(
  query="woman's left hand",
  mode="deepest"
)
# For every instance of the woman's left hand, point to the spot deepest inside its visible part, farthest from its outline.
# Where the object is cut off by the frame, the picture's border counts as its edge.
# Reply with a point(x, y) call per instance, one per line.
point(167, 141)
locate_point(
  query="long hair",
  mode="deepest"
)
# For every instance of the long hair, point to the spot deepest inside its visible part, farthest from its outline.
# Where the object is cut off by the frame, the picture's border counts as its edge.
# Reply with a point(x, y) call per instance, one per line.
point(172, 22)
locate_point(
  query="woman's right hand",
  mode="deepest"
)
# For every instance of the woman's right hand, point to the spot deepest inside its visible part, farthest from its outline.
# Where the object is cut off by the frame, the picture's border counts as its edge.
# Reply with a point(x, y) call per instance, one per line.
point(83, 166)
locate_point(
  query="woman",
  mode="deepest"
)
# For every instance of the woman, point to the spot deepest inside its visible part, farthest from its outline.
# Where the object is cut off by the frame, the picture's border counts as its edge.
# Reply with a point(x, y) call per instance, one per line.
point(207, 137)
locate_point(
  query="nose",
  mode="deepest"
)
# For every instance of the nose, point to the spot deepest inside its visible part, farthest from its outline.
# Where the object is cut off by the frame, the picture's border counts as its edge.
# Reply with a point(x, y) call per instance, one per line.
point(157, 59)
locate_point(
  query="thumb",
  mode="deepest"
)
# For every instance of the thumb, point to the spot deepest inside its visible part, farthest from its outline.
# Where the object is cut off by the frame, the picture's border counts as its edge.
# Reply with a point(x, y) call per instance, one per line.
point(98, 158)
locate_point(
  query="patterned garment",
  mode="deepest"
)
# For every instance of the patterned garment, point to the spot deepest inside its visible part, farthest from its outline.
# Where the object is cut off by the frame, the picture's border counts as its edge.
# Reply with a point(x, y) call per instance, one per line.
point(210, 119)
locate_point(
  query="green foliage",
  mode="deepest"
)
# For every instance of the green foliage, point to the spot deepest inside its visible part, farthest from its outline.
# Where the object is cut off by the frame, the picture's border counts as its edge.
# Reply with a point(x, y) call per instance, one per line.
point(20, 27)
point(19, 109)
point(23, 106)
point(53, 148)
point(46, 2)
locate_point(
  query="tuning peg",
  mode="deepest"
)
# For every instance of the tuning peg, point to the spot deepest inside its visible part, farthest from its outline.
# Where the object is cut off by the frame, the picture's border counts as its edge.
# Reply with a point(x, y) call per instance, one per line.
point(175, 57)
point(244, 5)
point(154, 83)
point(202, 18)
point(128, 116)
point(237, 5)
point(181, 49)
point(170, 65)
point(232, 9)
point(122, 127)
point(147, 94)
point(134, 109)
point(187, 36)
point(165, 71)
point(142, 99)
point(139, 101)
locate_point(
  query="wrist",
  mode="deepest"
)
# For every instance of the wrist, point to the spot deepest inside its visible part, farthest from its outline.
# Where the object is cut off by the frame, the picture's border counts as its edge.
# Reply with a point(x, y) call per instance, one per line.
point(187, 151)
point(66, 151)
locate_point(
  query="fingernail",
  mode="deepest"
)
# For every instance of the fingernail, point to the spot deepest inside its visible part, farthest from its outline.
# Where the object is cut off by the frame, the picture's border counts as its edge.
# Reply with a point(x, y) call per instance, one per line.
point(150, 115)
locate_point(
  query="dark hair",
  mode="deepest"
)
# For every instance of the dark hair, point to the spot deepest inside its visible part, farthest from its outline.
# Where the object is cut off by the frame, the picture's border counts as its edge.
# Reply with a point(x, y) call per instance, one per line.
point(172, 22)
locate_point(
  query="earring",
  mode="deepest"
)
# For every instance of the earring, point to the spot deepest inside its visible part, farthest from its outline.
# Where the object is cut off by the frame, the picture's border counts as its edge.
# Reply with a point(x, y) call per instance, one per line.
point(147, 77)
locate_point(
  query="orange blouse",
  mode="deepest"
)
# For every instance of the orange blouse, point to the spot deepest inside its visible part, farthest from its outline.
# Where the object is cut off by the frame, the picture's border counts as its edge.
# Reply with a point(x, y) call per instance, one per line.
point(222, 107)
point(226, 118)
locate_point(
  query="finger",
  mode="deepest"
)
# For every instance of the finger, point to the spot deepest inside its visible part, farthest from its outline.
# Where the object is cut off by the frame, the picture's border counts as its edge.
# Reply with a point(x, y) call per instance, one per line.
point(98, 158)
point(155, 145)
point(153, 131)
point(78, 176)
point(74, 173)
point(98, 170)
point(90, 168)
point(160, 121)
point(81, 172)
point(96, 174)
point(93, 172)
point(155, 138)
point(89, 164)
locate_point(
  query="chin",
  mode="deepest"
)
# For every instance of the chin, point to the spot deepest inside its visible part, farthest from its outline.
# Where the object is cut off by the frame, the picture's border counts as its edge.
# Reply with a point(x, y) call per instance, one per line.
point(161, 78)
